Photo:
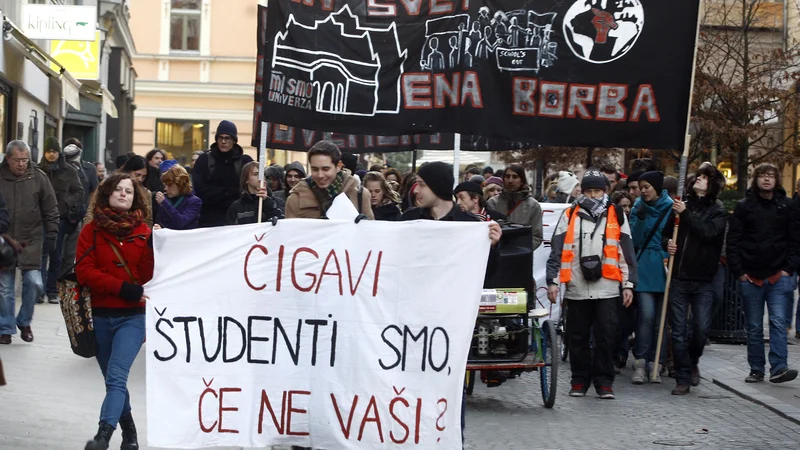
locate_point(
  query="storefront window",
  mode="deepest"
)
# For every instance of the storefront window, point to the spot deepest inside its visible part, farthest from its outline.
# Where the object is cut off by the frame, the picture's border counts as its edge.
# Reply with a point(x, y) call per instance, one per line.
point(4, 117)
point(181, 138)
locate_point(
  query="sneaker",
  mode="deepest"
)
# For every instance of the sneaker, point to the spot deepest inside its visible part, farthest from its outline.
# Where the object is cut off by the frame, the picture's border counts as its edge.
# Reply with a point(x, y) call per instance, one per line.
point(639, 375)
point(782, 376)
point(578, 390)
point(605, 392)
point(41, 299)
point(681, 389)
point(656, 378)
point(695, 375)
point(755, 377)
point(52, 299)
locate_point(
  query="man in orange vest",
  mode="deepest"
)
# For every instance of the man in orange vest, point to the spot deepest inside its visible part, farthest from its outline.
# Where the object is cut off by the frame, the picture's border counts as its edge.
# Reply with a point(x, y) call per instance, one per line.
point(592, 254)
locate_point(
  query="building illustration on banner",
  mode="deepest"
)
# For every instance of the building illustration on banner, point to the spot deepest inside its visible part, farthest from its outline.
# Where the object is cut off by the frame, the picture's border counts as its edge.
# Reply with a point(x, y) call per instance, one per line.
point(341, 70)
point(518, 40)
point(601, 31)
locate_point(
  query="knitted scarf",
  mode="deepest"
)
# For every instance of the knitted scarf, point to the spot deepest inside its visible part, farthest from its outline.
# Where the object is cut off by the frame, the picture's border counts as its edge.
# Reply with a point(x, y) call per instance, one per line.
point(325, 196)
point(117, 223)
point(514, 198)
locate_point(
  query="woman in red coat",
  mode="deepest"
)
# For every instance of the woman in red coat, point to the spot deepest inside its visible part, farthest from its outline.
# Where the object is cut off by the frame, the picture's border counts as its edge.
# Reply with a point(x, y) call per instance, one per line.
point(118, 261)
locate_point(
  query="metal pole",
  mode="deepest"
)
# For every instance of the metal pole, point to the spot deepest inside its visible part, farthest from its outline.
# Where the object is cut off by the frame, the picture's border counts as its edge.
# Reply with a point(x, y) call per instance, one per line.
point(262, 158)
point(413, 160)
point(456, 157)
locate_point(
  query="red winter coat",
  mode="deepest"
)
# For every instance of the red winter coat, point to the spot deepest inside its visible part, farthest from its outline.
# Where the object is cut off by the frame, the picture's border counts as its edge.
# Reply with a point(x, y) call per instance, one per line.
point(99, 270)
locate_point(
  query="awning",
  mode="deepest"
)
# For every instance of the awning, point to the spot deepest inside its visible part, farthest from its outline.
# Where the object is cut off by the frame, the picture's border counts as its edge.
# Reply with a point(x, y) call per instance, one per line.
point(99, 93)
point(70, 87)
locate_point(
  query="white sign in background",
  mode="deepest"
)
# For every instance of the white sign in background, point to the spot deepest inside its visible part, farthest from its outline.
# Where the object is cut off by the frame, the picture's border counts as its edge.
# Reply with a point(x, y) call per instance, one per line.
point(551, 213)
point(328, 334)
point(64, 23)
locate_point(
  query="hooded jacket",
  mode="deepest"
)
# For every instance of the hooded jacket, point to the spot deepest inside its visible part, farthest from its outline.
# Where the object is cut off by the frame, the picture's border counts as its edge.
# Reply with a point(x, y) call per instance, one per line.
point(526, 212)
point(578, 288)
point(701, 234)
point(762, 237)
point(245, 210)
point(218, 189)
point(303, 204)
point(297, 167)
point(67, 187)
point(650, 258)
point(33, 210)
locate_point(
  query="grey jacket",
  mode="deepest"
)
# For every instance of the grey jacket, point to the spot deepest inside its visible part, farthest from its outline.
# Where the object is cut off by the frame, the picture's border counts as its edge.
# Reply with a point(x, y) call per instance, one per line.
point(529, 212)
point(33, 209)
point(578, 288)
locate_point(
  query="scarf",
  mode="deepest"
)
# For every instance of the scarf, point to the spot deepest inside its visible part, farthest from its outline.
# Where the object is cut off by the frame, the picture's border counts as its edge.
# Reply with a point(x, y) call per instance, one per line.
point(325, 196)
point(119, 224)
point(484, 216)
point(176, 201)
point(594, 206)
point(50, 167)
point(513, 198)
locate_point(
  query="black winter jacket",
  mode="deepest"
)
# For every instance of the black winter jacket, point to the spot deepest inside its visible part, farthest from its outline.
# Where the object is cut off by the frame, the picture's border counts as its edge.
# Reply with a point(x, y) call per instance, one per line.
point(67, 186)
point(218, 188)
point(390, 212)
point(700, 238)
point(245, 210)
point(761, 238)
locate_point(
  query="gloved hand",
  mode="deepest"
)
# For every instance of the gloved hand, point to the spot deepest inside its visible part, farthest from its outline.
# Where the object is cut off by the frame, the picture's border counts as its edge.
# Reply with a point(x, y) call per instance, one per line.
point(48, 245)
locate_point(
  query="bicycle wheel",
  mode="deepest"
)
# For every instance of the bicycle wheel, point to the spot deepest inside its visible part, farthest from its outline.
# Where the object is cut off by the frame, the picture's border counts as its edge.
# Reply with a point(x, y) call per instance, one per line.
point(548, 374)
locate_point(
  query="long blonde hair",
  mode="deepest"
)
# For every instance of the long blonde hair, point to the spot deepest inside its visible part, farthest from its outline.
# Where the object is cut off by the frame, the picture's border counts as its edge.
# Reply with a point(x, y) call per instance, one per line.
point(389, 194)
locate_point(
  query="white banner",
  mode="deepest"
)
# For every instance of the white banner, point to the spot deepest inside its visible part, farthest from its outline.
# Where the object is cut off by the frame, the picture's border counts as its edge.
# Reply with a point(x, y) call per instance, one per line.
point(318, 333)
point(551, 212)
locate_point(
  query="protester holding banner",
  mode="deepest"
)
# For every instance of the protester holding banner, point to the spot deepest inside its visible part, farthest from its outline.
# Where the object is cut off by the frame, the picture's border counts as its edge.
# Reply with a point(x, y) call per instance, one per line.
point(216, 175)
point(604, 265)
point(311, 197)
point(647, 222)
point(697, 251)
point(470, 198)
point(383, 199)
point(245, 210)
point(136, 167)
point(115, 261)
point(763, 253)
point(178, 207)
point(518, 204)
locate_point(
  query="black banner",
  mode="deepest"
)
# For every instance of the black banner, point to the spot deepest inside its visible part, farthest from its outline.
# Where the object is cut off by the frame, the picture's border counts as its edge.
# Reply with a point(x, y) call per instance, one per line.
point(590, 73)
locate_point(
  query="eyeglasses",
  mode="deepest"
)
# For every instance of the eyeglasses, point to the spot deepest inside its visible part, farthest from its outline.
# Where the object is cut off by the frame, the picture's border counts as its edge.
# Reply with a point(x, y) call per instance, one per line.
point(19, 162)
point(224, 138)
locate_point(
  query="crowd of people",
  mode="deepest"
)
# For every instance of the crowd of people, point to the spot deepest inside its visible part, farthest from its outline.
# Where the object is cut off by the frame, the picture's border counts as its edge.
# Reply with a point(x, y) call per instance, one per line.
point(608, 249)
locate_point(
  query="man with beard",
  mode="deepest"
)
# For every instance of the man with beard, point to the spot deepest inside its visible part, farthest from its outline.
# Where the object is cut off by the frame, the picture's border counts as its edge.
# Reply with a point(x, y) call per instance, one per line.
point(763, 253)
point(697, 251)
point(595, 270)
point(517, 204)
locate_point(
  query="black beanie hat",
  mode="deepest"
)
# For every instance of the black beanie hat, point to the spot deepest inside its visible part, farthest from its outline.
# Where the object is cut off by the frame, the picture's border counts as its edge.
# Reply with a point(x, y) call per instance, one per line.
point(468, 186)
point(350, 161)
point(439, 177)
point(51, 143)
point(634, 176)
point(593, 179)
point(229, 128)
point(655, 179)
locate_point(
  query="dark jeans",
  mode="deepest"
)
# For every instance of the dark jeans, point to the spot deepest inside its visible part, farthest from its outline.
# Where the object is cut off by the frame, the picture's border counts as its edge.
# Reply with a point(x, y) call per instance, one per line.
point(595, 319)
point(627, 325)
point(686, 352)
point(51, 273)
point(754, 298)
point(118, 342)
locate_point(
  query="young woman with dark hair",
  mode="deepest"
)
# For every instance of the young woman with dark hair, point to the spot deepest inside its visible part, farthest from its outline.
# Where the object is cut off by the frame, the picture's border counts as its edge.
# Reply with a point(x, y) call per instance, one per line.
point(115, 260)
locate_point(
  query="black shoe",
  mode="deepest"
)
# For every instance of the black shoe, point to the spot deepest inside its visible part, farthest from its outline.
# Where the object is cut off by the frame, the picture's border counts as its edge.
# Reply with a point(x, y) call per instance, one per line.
point(605, 392)
point(5, 339)
point(695, 375)
point(783, 375)
point(681, 389)
point(755, 377)
point(130, 441)
point(26, 333)
point(101, 440)
point(40, 300)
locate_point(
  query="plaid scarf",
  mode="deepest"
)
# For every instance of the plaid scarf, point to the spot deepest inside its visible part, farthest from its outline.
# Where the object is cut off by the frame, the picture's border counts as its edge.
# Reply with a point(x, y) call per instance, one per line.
point(117, 223)
point(325, 196)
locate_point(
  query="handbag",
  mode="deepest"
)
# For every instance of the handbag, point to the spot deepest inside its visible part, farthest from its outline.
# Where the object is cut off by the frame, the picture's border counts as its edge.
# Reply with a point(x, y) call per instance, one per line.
point(76, 307)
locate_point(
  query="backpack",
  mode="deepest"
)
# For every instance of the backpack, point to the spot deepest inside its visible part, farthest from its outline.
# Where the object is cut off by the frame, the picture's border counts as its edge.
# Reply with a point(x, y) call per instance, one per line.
point(212, 162)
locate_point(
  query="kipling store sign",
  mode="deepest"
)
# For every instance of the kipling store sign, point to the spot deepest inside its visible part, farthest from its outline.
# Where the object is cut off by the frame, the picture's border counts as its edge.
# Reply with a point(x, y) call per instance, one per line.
point(66, 23)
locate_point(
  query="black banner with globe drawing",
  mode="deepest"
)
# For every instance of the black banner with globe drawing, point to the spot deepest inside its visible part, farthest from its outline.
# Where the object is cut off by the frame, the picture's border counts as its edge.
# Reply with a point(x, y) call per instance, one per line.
point(598, 73)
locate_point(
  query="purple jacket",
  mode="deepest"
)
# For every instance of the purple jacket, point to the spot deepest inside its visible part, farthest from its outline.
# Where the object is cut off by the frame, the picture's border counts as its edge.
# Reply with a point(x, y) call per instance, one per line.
point(183, 217)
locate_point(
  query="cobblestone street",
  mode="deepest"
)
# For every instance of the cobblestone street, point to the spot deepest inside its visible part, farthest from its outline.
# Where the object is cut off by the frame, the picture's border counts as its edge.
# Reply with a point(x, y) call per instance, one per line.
point(53, 398)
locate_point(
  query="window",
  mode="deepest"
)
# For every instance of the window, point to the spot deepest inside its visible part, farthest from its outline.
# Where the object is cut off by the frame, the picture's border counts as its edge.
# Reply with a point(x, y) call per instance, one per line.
point(180, 138)
point(185, 25)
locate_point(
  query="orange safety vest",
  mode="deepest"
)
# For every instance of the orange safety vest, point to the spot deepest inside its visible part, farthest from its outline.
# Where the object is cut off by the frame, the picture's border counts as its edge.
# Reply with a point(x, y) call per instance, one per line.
point(611, 268)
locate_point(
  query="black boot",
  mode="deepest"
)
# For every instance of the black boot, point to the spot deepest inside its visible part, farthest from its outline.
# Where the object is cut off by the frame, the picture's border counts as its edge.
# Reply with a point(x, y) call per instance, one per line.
point(129, 439)
point(100, 442)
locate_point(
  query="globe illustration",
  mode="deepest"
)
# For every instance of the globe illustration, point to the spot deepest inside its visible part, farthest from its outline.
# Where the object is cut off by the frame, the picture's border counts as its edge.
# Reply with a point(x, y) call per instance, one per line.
point(601, 31)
